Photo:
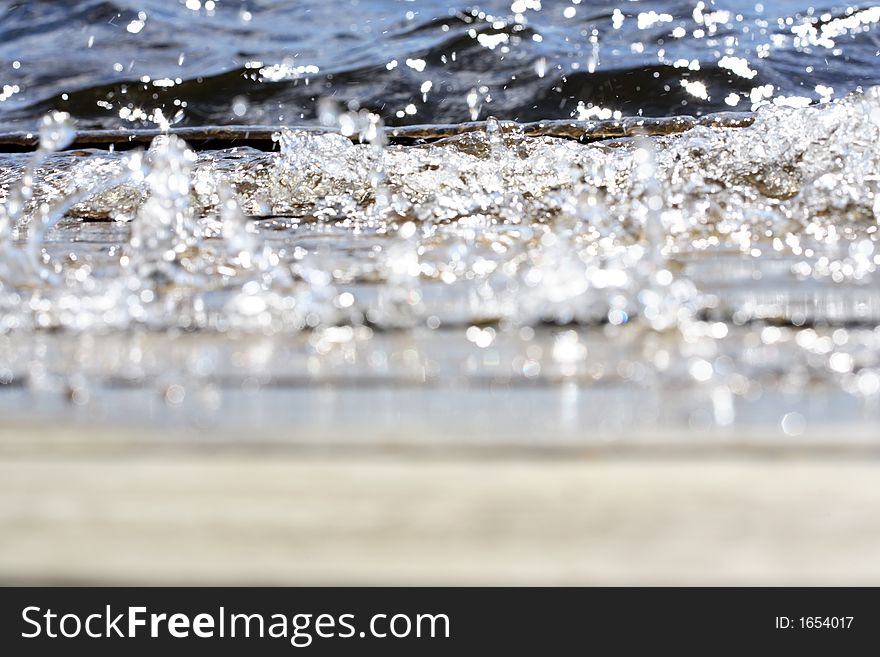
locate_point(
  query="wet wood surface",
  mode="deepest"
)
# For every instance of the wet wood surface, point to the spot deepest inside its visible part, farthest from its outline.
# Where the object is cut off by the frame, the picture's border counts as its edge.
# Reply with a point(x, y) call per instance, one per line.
point(211, 137)
point(125, 507)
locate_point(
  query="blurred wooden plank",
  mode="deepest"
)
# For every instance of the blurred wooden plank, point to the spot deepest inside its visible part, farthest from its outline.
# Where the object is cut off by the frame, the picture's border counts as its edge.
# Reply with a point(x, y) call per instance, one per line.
point(369, 424)
point(228, 516)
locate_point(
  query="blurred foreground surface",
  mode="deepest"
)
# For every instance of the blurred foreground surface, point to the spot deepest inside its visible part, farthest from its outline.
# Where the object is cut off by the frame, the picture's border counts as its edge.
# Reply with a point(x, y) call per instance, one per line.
point(128, 507)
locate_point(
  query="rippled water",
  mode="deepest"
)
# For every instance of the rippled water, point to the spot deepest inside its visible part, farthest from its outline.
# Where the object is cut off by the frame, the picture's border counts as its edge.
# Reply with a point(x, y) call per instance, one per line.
point(128, 63)
point(729, 262)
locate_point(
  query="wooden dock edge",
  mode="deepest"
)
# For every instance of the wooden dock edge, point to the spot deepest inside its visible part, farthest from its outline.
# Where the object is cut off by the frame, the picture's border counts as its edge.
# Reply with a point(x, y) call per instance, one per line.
point(178, 515)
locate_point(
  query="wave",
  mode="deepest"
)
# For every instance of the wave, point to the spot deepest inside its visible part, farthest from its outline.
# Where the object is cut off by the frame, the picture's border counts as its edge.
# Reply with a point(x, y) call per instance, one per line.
point(271, 65)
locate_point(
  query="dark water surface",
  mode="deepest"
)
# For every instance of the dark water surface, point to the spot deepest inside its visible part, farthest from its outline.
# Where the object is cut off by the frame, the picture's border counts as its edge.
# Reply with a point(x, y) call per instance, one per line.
point(142, 63)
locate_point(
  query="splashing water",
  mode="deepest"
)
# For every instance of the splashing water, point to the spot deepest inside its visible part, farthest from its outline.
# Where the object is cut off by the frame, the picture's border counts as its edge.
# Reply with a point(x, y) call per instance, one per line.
point(737, 260)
